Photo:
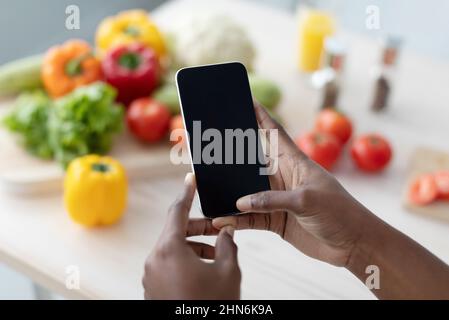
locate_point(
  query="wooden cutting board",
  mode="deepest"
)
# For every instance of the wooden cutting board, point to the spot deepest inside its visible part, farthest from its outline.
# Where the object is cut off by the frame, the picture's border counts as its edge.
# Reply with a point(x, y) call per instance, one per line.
point(426, 160)
point(22, 172)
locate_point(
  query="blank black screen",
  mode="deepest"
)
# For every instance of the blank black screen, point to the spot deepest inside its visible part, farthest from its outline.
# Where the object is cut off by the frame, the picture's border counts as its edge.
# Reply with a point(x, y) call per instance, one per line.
point(219, 96)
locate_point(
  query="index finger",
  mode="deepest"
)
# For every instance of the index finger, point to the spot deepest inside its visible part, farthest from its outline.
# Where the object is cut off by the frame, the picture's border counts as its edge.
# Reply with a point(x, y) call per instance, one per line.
point(201, 227)
point(178, 214)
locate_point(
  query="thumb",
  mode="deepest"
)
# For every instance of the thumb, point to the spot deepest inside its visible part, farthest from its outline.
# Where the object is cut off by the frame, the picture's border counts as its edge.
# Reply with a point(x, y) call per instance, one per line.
point(225, 248)
point(266, 201)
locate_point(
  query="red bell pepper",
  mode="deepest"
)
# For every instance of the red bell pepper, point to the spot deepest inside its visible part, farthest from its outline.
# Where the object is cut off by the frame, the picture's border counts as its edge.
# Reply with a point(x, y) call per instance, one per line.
point(133, 70)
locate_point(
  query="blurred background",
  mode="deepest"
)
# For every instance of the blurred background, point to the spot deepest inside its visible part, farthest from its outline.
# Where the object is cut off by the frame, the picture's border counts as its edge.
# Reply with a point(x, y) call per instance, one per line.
point(30, 27)
point(422, 23)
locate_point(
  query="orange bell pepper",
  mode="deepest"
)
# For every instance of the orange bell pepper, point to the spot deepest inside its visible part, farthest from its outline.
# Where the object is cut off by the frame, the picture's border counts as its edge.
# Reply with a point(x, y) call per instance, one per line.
point(69, 66)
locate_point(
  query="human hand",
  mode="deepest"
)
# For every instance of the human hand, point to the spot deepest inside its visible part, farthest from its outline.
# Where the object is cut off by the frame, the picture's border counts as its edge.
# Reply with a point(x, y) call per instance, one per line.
point(307, 206)
point(174, 269)
point(312, 211)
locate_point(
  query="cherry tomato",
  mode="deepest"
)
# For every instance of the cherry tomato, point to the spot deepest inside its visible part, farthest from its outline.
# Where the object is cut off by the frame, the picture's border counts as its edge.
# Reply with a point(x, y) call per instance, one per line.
point(333, 122)
point(148, 119)
point(423, 190)
point(442, 182)
point(177, 123)
point(371, 152)
point(321, 147)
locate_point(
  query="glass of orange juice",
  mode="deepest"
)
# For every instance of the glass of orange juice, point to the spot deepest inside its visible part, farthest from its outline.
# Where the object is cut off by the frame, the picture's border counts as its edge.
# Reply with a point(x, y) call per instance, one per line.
point(314, 26)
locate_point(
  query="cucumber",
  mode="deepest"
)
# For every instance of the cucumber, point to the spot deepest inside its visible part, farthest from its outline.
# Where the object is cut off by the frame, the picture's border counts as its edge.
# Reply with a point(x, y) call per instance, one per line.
point(168, 95)
point(20, 75)
point(265, 91)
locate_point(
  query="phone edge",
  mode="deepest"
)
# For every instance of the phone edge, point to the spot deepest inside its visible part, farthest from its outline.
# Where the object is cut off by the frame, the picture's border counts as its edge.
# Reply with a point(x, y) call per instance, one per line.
point(184, 123)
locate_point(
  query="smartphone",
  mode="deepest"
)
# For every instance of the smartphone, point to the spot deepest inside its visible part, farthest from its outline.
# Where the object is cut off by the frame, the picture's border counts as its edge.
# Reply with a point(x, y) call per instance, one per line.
point(223, 138)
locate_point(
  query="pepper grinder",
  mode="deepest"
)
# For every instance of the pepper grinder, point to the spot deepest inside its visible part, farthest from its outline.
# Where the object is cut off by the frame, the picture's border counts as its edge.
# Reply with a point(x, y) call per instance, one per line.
point(328, 79)
point(385, 73)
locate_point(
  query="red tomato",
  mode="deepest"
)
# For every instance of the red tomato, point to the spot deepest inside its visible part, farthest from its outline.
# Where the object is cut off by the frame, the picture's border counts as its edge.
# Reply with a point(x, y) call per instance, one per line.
point(423, 190)
point(177, 123)
point(333, 122)
point(148, 119)
point(442, 182)
point(321, 147)
point(371, 152)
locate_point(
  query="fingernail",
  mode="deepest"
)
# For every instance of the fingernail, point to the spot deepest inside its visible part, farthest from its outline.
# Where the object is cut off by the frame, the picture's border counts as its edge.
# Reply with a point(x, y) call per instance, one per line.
point(230, 230)
point(219, 223)
point(244, 203)
point(188, 179)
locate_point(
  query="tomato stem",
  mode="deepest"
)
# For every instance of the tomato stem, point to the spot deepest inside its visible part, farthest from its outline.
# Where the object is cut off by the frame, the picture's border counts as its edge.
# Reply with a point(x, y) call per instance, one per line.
point(373, 140)
point(318, 138)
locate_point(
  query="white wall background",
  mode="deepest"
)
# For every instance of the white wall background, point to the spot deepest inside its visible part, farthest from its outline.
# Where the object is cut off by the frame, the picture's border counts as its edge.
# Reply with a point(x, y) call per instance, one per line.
point(424, 24)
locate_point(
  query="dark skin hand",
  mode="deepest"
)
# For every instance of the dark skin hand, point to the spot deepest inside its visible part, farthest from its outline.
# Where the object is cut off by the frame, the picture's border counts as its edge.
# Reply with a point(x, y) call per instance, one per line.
point(175, 269)
point(303, 207)
point(310, 209)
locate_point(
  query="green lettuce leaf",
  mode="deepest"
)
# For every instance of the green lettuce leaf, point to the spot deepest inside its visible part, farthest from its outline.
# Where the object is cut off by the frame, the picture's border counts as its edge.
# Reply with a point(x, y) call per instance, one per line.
point(80, 123)
point(29, 119)
point(84, 122)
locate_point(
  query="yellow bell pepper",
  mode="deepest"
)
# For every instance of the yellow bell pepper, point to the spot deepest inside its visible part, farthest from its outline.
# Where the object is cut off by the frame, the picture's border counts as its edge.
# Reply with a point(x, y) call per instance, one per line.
point(95, 190)
point(129, 27)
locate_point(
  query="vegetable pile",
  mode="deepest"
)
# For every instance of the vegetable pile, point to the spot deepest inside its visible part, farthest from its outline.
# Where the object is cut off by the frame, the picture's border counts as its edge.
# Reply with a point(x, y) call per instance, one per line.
point(76, 97)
